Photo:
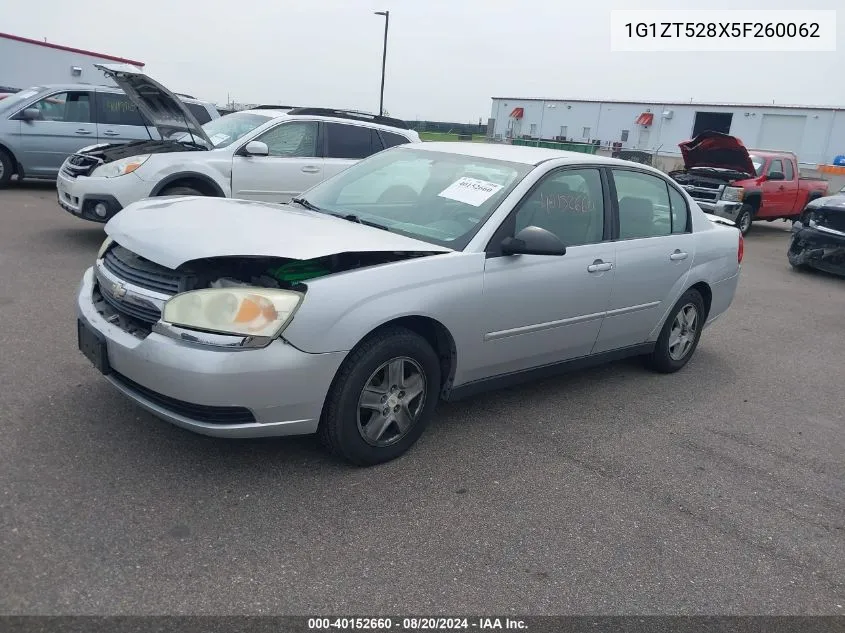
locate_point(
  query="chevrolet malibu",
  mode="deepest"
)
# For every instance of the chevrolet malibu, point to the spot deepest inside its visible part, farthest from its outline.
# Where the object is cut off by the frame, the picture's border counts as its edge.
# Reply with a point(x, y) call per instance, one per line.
point(426, 272)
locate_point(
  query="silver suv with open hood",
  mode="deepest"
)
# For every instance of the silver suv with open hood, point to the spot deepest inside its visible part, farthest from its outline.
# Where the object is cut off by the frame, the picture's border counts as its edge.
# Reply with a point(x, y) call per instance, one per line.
point(267, 154)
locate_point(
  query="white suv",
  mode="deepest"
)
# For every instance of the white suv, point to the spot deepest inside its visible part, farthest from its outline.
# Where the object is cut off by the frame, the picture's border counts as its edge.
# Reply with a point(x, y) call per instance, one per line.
point(269, 153)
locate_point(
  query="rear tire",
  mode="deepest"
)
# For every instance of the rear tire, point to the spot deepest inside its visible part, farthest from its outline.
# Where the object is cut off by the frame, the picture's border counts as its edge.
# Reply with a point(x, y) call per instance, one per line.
point(181, 191)
point(745, 219)
point(679, 337)
point(7, 166)
point(382, 398)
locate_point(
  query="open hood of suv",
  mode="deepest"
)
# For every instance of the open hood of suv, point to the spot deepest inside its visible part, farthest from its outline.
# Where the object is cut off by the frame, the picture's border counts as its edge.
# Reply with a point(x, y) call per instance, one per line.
point(714, 149)
point(159, 106)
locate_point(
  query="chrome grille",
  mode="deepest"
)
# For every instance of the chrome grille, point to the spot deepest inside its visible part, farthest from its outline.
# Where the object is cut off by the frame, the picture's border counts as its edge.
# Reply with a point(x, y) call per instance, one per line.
point(127, 266)
point(148, 314)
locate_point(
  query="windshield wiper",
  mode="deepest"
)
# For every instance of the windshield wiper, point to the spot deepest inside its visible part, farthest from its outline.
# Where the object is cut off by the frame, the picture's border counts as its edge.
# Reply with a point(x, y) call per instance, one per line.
point(354, 218)
point(304, 203)
point(351, 217)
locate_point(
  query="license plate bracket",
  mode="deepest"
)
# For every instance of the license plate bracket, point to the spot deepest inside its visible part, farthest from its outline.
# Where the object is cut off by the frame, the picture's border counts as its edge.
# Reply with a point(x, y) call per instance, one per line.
point(92, 344)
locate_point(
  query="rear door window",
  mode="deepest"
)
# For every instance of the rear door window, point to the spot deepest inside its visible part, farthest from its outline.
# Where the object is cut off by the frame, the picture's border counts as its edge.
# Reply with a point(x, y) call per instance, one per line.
point(789, 174)
point(200, 113)
point(349, 141)
point(116, 109)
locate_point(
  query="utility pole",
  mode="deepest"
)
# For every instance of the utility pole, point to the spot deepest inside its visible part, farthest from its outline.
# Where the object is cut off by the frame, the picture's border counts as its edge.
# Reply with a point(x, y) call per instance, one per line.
point(386, 15)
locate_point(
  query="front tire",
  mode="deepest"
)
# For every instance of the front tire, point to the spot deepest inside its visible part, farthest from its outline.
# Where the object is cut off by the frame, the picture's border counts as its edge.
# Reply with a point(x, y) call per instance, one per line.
point(6, 169)
point(181, 191)
point(680, 334)
point(382, 398)
point(745, 219)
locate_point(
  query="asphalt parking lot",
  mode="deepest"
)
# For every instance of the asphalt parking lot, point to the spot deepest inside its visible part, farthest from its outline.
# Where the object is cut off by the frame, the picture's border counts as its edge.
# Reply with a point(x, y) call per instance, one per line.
point(720, 489)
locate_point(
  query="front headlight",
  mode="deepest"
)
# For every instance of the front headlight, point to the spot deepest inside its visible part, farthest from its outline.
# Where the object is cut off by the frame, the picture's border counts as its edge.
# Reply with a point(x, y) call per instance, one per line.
point(104, 247)
point(241, 311)
point(120, 167)
point(733, 194)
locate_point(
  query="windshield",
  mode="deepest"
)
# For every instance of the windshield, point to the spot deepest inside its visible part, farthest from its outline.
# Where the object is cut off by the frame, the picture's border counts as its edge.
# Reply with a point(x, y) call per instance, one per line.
point(437, 197)
point(229, 128)
point(758, 164)
point(17, 97)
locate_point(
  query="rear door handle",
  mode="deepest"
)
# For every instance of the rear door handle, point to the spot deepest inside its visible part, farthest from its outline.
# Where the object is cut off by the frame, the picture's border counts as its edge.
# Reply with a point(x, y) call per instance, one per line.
point(678, 256)
point(599, 266)
point(310, 169)
point(111, 133)
point(83, 131)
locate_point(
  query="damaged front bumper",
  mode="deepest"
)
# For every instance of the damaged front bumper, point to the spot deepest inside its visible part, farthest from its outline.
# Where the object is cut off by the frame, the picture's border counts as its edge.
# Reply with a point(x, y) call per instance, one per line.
point(721, 208)
point(817, 247)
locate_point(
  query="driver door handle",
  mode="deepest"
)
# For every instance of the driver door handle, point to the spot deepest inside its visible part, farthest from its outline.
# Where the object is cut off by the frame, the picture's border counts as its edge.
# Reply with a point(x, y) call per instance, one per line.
point(83, 131)
point(310, 169)
point(678, 256)
point(599, 266)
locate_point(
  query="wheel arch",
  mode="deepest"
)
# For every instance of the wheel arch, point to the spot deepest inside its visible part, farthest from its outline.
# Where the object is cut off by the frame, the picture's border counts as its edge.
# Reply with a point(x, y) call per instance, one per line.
point(435, 334)
point(16, 166)
point(193, 179)
point(754, 199)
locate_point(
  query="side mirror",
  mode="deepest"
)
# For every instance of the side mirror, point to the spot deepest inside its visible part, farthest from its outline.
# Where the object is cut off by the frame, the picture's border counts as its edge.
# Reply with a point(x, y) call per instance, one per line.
point(31, 114)
point(532, 240)
point(776, 175)
point(256, 148)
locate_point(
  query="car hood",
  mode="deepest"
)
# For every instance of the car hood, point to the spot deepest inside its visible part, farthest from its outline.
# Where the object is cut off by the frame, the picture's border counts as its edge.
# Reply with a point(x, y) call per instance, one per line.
point(173, 230)
point(832, 204)
point(159, 106)
point(714, 149)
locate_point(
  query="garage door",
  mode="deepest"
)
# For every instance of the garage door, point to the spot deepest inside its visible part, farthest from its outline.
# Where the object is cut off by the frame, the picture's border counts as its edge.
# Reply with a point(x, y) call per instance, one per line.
point(782, 132)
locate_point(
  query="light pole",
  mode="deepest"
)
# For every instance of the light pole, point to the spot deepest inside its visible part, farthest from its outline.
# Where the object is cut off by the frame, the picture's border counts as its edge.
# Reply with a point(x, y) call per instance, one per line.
point(386, 15)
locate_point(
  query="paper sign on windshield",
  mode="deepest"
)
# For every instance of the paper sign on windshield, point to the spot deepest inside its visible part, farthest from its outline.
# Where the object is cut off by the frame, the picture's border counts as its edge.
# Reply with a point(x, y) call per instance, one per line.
point(219, 138)
point(470, 191)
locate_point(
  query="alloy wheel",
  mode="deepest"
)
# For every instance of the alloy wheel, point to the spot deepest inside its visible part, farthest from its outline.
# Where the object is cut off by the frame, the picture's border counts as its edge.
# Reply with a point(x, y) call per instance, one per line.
point(391, 401)
point(683, 332)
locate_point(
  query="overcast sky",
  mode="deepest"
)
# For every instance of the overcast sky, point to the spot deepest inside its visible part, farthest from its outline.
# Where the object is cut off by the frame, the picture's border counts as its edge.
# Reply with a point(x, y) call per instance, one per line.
point(445, 58)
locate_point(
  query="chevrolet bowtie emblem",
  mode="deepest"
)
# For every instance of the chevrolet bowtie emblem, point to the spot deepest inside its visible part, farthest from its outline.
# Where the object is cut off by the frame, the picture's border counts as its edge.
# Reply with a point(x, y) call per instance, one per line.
point(118, 290)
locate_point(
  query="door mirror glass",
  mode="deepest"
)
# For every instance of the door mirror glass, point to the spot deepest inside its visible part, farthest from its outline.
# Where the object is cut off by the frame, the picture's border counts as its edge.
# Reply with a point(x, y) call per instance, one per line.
point(256, 148)
point(533, 240)
point(776, 175)
point(31, 114)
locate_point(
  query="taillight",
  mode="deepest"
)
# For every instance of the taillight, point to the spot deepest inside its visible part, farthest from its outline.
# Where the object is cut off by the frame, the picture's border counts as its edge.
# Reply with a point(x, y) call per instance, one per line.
point(740, 251)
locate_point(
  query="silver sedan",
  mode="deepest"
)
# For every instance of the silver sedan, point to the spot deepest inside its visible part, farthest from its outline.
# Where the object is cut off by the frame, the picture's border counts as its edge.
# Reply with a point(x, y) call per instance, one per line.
point(426, 272)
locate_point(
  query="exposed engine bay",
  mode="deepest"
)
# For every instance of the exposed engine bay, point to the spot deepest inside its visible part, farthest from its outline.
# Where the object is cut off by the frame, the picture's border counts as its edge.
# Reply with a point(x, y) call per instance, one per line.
point(706, 176)
point(84, 162)
point(131, 302)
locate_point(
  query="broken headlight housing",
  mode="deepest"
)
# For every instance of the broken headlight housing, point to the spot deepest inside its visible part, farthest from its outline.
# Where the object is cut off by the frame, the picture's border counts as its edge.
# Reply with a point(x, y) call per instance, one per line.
point(243, 311)
point(104, 247)
point(120, 167)
point(733, 194)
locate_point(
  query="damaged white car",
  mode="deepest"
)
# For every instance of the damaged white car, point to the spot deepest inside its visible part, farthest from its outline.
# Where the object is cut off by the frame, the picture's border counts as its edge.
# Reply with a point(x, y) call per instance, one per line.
point(426, 272)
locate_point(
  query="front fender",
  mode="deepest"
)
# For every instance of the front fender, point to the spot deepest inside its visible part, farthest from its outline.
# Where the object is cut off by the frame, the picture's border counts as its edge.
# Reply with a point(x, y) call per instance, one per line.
point(341, 310)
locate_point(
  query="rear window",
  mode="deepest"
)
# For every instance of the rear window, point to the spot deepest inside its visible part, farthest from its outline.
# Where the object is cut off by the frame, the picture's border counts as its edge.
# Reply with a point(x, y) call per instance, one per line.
point(391, 139)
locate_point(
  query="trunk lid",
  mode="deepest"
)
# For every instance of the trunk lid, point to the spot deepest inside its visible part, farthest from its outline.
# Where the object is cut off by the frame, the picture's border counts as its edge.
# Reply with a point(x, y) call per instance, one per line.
point(162, 108)
point(173, 230)
point(717, 150)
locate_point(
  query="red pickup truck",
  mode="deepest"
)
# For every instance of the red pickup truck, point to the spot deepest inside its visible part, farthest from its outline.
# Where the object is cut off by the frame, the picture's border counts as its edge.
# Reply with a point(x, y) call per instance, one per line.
point(742, 185)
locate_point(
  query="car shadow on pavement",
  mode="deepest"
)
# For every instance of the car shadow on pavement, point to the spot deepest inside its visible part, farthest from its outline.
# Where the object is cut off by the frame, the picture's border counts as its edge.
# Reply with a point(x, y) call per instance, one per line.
point(88, 236)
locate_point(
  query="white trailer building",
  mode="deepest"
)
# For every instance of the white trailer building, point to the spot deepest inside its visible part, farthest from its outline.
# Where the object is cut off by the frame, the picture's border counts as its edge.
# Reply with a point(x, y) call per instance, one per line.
point(815, 134)
point(25, 62)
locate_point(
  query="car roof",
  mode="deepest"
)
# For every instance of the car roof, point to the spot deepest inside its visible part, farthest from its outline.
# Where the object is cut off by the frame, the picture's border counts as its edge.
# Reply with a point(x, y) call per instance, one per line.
point(770, 153)
point(515, 153)
point(283, 113)
point(100, 88)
